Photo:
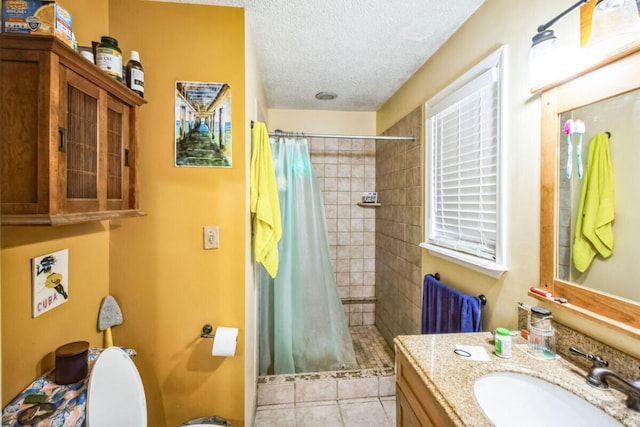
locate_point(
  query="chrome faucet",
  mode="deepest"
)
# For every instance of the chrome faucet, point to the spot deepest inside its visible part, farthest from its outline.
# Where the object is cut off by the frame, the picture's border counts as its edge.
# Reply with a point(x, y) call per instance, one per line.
point(599, 376)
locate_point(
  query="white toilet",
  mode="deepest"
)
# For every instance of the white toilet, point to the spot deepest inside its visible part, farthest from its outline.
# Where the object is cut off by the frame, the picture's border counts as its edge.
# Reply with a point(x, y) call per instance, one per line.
point(115, 395)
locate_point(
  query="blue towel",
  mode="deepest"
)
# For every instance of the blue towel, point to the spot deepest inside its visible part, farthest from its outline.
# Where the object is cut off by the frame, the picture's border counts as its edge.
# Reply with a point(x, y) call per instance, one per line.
point(445, 310)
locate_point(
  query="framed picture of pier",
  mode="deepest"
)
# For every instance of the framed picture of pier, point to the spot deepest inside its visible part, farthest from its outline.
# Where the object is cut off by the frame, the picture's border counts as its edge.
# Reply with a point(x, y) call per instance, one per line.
point(203, 124)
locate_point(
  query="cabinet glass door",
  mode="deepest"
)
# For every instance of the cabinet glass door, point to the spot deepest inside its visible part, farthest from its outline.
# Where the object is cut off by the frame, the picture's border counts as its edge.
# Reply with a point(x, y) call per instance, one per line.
point(117, 155)
point(80, 157)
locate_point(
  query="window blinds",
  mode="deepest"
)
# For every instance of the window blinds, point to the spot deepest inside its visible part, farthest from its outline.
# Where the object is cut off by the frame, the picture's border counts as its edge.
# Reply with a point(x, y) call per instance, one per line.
point(464, 195)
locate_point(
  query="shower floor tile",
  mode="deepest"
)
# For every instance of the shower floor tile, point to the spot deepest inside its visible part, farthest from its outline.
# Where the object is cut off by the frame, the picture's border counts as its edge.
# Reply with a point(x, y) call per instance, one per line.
point(371, 350)
point(334, 398)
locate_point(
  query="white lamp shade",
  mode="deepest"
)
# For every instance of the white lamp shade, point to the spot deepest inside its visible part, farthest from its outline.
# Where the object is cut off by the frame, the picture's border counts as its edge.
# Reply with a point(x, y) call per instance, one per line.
point(545, 60)
point(615, 26)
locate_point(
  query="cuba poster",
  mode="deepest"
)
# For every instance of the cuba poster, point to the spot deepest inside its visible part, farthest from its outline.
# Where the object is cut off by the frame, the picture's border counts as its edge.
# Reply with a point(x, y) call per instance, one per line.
point(50, 281)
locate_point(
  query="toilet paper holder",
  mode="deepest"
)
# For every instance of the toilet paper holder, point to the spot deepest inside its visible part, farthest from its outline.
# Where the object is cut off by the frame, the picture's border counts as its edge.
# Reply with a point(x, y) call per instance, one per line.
point(206, 331)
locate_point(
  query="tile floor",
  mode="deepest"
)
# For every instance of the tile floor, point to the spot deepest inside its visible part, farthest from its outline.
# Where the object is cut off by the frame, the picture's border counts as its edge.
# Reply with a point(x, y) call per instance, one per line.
point(365, 412)
point(335, 399)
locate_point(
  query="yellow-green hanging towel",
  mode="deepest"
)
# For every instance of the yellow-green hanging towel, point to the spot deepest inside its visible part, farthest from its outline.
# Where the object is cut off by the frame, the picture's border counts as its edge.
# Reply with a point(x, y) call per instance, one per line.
point(594, 223)
point(264, 201)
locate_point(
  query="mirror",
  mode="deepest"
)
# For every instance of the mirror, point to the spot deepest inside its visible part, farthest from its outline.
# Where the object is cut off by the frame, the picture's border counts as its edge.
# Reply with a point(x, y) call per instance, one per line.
point(619, 116)
point(606, 98)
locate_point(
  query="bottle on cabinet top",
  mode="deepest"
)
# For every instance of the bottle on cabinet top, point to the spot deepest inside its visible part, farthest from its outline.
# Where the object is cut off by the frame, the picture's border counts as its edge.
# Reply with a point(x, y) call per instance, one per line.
point(135, 74)
point(109, 57)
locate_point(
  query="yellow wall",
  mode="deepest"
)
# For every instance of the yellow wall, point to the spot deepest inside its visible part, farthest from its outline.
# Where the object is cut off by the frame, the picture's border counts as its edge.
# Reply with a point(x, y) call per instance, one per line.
point(499, 22)
point(167, 285)
point(323, 121)
point(28, 344)
point(90, 19)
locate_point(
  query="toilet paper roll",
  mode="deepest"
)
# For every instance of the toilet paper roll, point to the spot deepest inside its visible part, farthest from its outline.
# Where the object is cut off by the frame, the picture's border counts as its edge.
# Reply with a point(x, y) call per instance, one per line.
point(224, 343)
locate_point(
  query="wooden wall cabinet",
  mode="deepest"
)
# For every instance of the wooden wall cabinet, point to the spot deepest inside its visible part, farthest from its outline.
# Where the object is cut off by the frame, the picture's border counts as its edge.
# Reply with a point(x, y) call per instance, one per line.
point(416, 406)
point(68, 136)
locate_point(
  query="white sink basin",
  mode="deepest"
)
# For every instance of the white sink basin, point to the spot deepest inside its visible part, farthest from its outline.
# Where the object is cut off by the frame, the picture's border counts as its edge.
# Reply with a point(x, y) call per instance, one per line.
point(511, 399)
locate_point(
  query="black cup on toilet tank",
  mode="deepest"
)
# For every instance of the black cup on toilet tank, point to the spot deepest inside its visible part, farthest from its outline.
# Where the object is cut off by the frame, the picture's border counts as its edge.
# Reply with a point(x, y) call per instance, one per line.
point(71, 362)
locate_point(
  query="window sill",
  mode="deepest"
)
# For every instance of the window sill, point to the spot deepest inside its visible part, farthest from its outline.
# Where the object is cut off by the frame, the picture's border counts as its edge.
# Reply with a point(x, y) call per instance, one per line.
point(487, 268)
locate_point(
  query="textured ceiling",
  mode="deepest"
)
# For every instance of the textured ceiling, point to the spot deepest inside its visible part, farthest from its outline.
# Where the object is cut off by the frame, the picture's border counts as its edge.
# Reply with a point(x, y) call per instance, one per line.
point(363, 50)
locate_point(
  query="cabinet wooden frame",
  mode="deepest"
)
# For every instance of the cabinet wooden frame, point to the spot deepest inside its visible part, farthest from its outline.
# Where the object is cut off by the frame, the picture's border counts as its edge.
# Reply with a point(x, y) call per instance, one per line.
point(416, 405)
point(39, 74)
point(609, 78)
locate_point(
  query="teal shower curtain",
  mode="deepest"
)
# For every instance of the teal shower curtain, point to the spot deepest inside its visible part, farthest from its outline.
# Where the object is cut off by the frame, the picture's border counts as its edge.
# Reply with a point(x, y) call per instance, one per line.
point(302, 325)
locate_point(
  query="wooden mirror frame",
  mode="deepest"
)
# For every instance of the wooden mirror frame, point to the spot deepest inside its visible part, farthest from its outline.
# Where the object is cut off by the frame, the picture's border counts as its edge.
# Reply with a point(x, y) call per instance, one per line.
point(615, 76)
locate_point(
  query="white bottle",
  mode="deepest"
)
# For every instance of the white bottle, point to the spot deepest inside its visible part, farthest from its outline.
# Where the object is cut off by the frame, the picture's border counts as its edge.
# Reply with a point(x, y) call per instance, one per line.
point(135, 74)
point(503, 342)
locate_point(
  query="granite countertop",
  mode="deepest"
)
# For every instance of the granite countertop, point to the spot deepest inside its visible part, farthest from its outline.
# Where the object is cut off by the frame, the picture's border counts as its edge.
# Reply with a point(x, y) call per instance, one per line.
point(446, 375)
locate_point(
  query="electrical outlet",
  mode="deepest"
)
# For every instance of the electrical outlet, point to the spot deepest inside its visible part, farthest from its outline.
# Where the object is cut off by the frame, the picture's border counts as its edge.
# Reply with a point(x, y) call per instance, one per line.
point(211, 237)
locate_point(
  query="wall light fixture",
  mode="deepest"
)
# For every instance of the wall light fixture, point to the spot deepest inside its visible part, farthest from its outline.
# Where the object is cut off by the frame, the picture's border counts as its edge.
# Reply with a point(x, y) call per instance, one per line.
point(615, 26)
point(546, 57)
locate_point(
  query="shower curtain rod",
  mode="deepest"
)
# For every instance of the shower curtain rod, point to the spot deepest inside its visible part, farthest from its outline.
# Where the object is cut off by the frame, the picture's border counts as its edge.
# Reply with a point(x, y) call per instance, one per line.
point(323, 135)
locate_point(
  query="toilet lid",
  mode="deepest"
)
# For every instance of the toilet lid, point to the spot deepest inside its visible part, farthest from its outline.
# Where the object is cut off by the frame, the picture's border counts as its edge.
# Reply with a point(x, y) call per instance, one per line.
point(115, 396)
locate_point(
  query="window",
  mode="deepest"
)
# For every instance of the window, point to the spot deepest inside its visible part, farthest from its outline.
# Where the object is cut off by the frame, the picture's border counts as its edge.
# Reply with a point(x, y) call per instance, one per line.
point(463, 215)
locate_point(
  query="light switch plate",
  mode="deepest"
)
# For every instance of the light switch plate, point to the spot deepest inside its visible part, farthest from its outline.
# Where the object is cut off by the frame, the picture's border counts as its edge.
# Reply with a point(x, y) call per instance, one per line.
point(211, 237)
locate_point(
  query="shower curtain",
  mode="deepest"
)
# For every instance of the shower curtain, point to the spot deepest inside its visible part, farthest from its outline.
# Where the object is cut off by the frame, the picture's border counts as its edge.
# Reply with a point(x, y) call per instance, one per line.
point(302, 325)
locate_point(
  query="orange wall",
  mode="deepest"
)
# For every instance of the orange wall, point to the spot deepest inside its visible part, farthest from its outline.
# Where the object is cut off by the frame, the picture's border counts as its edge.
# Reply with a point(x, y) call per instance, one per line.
point(90, 19)
point(28, 344)
point(167, 285)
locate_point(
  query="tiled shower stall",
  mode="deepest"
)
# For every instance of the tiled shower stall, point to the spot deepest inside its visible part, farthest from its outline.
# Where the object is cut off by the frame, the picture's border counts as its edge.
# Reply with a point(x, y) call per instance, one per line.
point(346, 168)
point(377, 263)
point(375, 250)
point(399, 180)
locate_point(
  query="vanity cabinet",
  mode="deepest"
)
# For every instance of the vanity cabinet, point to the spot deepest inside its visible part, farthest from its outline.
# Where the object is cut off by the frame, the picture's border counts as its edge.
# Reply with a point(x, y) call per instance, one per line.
point(69, 136)
point(416, 406)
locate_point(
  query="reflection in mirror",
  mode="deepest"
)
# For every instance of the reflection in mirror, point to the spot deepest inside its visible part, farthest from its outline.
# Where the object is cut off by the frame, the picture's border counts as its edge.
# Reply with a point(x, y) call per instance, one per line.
point(618, 273)
point(604, 98)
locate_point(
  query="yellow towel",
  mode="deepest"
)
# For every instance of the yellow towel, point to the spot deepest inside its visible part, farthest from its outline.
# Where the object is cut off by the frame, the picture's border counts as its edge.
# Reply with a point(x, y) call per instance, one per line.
point(264, 202)
point(594, 232)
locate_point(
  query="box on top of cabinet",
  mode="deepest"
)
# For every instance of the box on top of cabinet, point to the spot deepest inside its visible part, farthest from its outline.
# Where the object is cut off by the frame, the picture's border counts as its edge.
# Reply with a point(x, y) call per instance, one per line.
point(37, 17)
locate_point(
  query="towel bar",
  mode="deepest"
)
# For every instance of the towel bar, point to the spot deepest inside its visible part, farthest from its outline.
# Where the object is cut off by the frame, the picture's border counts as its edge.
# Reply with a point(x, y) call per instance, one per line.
point(483, 299)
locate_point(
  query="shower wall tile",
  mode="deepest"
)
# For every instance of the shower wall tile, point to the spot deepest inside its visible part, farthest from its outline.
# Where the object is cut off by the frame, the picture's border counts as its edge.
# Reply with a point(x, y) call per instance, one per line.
point(343, 279)
point(346, 168)
point(355, 319)
point(369, 265)
point(343, 252)
point(330, 183)
point(357, 252)
point(368, 319)
point(343, 291)
point(398, 230)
